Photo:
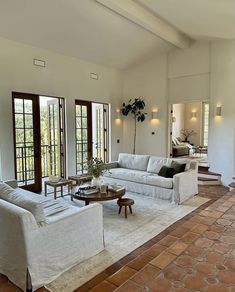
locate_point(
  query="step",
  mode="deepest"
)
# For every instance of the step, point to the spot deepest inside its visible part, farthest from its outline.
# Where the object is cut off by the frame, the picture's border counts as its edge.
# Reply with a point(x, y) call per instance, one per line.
point(209, 173)
point(208, 181)
point(203, 168)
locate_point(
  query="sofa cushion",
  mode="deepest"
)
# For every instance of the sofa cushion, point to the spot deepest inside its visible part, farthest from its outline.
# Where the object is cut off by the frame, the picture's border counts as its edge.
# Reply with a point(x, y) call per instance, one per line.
point(127, 174)
point(132, 161)
point(166, 171)
point(156, 163)
point(159, 181)
point(10, 195)
point(138, 176)
point(53, 209)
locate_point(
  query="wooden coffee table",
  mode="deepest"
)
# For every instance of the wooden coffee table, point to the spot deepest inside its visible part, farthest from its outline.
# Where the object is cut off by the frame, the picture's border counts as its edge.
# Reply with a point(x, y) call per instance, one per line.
point(97, 197)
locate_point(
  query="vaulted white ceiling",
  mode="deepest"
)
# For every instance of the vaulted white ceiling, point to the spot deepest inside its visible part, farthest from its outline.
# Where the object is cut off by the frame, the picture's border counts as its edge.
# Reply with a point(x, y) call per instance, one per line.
point(90, 31)
point(79, 28)
point(211, 19)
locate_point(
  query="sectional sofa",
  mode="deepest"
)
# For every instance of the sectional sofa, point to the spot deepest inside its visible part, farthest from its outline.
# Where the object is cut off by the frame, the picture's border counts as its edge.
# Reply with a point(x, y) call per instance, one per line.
point(40, 238)
point(139, 174)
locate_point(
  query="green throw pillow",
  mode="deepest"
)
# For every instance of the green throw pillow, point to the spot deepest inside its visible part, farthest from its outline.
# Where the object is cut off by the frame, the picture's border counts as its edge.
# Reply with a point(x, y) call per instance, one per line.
point(178, 167)
point(166, 171)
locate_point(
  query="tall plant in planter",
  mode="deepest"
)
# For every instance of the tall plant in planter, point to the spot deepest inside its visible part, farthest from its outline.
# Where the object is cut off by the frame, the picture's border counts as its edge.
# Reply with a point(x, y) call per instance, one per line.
point(135, 109)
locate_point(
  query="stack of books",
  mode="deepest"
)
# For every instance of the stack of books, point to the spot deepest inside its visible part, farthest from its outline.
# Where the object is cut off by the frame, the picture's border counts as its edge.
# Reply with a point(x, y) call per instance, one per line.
point(87, 190)
point(115, 188)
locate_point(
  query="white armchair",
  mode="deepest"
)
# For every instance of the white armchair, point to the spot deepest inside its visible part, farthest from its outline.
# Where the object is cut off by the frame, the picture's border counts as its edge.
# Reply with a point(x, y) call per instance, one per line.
point(41, 254)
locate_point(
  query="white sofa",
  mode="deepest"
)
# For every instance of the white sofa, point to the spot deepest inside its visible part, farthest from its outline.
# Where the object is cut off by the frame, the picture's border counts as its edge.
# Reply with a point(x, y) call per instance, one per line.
point(39, 254)
point(139, 173)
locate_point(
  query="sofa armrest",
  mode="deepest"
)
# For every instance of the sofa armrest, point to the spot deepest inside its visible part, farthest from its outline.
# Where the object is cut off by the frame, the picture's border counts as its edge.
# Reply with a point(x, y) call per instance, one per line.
point(12, 183)
point(112, 164)
point(85, 225)
point(65, 242)
point(194, 165)
point(185, 185)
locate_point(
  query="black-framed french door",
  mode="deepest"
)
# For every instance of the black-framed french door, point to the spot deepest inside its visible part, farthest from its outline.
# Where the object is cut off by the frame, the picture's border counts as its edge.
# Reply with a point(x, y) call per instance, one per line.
point(27, 150)
point(83, 135)
point(56, 138)
point(39, 139)
point(92, 132)
point(100, 131)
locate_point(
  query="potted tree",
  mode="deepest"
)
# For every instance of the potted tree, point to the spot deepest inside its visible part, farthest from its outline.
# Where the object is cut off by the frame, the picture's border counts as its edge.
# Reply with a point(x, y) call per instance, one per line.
point(187, 133)
point(135, 109)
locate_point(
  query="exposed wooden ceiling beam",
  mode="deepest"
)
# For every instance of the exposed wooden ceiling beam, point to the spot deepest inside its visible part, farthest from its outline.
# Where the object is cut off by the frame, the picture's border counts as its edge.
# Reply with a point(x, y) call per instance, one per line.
point(143, 17)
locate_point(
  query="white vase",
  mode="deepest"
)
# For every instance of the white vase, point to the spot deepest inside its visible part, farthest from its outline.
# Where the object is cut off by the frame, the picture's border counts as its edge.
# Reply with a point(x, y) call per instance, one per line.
point(96, 182)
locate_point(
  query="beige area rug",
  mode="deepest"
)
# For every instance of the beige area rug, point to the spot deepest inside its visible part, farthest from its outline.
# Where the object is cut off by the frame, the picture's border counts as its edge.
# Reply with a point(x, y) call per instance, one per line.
point(151, 216)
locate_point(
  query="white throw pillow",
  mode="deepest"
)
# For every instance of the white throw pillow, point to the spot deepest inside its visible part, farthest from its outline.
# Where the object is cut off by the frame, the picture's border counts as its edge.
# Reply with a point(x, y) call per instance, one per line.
point(132, 161)
point(156, 163)
point(36, 208)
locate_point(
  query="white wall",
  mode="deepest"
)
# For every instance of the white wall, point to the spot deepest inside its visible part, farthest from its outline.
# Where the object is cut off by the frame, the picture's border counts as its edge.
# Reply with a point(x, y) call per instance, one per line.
point(221, 135)
point(189, 73)
point(194, 124)
point(149, 81)
point(202, 72)
point(181, 76)
point(206, 71)
point(63, 76)
point(178, 114)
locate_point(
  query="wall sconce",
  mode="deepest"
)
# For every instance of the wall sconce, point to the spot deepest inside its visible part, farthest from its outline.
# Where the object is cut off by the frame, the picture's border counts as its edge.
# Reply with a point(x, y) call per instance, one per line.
point(218, 111)
point(193, 115)
point(154, 115)
point(118, 115)
point(173, 119)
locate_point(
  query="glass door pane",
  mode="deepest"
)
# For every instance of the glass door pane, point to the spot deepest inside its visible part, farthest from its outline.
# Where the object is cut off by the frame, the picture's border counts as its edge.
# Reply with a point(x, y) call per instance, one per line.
point(100, 131)
point(83, 135)
point(53, 137)
point(27, 150)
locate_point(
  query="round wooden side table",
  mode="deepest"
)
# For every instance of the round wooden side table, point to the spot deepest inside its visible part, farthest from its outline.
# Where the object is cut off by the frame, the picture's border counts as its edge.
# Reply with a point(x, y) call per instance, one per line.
point(125, 202)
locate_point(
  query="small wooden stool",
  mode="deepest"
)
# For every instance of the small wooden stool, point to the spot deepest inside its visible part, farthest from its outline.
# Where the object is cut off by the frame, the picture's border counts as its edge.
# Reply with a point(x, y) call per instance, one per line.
point(125, 202)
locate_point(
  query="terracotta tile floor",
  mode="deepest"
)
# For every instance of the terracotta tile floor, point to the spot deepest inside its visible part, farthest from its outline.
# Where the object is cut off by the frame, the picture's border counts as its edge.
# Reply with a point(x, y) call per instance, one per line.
point(197, 253)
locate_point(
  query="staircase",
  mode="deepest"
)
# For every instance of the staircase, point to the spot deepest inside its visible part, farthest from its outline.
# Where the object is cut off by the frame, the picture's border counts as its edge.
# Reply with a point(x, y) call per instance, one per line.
point(206, 177)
